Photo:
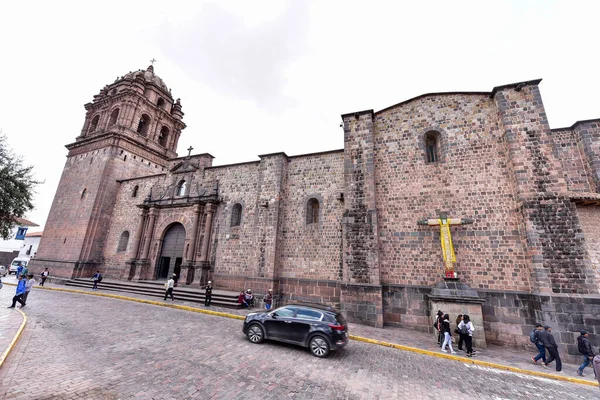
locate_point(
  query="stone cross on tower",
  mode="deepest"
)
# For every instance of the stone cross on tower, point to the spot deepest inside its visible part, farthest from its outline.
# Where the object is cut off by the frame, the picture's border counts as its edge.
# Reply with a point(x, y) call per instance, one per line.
point(190, 150)
point(152, 61)
point(446, 239)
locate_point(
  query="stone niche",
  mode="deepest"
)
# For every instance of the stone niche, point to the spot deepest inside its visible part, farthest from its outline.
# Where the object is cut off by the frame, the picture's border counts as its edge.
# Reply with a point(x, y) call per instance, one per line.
point(453, 298)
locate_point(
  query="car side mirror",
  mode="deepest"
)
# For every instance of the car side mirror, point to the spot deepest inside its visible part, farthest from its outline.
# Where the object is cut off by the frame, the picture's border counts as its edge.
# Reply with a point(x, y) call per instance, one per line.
point(274, 315)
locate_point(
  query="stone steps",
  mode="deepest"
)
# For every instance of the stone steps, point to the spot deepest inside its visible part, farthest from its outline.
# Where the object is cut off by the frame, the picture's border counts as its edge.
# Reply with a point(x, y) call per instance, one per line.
point(157, 289)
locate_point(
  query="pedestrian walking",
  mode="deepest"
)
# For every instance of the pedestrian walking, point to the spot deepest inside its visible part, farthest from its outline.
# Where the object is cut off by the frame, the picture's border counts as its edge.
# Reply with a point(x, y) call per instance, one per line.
point(268, 299)
point(175, 280)
point(437, 325)
point(585, 347)
point(19, 293)
point(19, 269)
point(461, 339)
point(550, 344)
point(447, 334)
point(97, 278)
point(466, 329)
point(28, 285)
point(208, 294)
point(45, 274)
point(169, 288)
point(534, 338)
point(25, 271)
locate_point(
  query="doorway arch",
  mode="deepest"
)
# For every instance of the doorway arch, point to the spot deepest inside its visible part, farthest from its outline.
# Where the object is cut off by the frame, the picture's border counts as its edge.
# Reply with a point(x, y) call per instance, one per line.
point(171, 253)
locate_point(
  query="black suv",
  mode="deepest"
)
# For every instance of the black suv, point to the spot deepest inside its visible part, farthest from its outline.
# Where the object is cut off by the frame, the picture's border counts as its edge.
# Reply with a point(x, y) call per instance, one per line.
point(319, 327)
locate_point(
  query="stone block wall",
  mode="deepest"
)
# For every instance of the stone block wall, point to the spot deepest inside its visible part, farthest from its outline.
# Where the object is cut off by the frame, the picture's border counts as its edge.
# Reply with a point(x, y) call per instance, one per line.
point(312, 251)
point(407, 307)
point(126, 217)
point(469, 181)
point(574, 167)
point(360, 223)
point(554, 239)
point(588, 134)
point(235, 247)
point(309, 290)
point(362, 304)
point(509, 317)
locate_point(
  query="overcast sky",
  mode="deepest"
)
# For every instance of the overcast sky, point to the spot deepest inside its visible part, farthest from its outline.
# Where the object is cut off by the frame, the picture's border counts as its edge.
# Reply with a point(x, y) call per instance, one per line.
point(257, 77)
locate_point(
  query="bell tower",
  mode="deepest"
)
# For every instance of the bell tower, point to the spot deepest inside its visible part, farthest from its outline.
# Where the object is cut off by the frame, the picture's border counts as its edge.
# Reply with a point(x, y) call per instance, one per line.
point(131, 129)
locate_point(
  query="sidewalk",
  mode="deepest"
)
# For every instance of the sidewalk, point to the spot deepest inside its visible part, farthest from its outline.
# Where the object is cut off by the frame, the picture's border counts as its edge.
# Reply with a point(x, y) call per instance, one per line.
point(10, 321)
point(502, 356)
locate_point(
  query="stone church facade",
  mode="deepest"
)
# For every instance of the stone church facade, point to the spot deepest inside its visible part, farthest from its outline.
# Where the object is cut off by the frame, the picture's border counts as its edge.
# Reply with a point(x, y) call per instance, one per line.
point(340, 227)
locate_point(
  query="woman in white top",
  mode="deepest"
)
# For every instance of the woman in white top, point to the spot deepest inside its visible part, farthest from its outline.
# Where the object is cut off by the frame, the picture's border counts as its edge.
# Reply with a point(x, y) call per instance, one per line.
point(466, 329)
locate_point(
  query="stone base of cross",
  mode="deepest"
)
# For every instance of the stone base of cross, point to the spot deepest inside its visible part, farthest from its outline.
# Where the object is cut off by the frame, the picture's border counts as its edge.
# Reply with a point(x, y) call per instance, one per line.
point(446, 239)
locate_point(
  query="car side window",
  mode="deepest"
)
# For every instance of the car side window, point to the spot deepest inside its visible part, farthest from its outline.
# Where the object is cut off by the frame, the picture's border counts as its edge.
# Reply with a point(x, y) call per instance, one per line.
point(285, 312)
point(310, 315)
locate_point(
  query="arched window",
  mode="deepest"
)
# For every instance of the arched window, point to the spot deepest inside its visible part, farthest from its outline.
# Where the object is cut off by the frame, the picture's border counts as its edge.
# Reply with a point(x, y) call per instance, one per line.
point(135, 190)
point(142, 128)
point(236, 215)
point(123, 240)
point(113, 117)
point(160, 103)
point(163, 137)
point(312, 211)
point(432, 146)
point(83, 193)
point(94, 123)
point(181, 186)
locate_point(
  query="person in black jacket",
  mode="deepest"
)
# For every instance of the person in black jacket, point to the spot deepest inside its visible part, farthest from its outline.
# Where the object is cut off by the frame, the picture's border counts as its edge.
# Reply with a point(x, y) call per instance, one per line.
point(447, 334)
point(585, 348)
point(547, 339)
point(437, 325)
point(208, 295)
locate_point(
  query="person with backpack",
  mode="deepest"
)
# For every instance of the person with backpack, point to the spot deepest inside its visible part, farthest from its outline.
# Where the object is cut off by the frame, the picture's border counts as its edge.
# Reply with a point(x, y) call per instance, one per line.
point(585, 347)
point(461, 339)
point(97, 278)
point(547, 339)
point(268, 299)
point(533, 338)
point(466, 329)
point(447, 334)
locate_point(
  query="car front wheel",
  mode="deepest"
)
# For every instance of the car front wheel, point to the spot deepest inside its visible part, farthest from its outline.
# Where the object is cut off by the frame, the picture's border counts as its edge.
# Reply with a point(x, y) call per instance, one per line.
point(255, 333)
point(319, 346)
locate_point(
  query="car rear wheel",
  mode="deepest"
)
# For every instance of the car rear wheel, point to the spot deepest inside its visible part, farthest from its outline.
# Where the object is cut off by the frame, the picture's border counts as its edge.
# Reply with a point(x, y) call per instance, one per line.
point(319, 346)
point(255, 333)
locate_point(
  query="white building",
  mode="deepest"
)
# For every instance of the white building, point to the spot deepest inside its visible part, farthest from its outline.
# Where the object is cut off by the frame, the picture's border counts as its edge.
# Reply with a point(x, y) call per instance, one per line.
point(19, 242)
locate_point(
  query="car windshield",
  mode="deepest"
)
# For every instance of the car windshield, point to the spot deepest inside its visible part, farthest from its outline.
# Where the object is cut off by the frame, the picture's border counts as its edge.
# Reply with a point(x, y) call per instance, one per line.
point(18, 263)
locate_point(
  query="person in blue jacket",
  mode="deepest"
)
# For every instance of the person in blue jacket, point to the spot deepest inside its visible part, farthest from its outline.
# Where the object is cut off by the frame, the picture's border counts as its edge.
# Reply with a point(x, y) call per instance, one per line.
point(20, 292)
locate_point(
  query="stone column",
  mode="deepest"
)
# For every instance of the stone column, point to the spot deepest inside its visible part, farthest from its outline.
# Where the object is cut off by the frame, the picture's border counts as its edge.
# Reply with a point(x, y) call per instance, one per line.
point(192, 257)
point(207, 228)
point(149, 232)
point(138, 235)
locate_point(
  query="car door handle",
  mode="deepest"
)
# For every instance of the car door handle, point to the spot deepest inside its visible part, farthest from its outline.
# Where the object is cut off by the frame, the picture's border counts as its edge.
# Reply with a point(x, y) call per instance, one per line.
point(288, 322)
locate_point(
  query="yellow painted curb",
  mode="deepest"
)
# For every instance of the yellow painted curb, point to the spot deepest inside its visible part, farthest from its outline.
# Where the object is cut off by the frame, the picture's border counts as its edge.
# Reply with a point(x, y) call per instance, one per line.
point(353, 337)
point(14, 340)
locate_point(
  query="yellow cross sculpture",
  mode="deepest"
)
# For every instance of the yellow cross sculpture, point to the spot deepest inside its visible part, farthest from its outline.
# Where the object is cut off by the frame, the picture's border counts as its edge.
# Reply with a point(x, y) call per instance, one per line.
point(446, 239)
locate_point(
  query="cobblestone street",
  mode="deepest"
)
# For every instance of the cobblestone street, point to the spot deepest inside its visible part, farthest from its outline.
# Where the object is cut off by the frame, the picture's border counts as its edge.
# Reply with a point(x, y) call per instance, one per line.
point(88, 347)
